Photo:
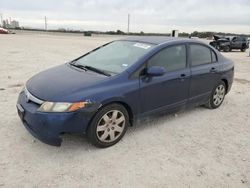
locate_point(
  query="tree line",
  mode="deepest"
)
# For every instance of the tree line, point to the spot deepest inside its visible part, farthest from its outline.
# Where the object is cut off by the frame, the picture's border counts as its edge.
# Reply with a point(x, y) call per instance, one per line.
point(206, 34)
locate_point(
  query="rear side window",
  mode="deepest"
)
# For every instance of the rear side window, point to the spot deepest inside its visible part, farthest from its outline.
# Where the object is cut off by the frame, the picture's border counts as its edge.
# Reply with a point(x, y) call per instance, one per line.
point(172, 58)
point(201, 55)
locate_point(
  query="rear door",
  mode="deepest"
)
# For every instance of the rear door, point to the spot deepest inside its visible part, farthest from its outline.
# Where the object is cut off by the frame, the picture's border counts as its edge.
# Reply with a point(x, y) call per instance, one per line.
point(204, 72)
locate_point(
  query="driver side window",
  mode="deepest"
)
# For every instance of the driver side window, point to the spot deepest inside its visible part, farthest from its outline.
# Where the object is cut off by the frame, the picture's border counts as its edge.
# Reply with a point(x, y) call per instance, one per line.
point(171, 58)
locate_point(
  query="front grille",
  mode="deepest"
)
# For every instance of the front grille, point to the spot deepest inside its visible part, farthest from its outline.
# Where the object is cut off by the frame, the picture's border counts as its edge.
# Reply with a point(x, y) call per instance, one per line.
point(30, 97)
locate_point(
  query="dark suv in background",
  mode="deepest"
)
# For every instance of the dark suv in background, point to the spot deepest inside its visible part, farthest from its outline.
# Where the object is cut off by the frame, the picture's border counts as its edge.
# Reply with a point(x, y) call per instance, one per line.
point(228, 43)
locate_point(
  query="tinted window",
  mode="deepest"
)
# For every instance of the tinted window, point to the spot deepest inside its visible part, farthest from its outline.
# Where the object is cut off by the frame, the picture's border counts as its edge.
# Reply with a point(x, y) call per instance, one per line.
point(200, 54)
point(172, 58)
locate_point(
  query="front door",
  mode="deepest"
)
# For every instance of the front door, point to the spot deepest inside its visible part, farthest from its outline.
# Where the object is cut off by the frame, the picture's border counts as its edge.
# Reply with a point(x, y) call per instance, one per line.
point(171, 89)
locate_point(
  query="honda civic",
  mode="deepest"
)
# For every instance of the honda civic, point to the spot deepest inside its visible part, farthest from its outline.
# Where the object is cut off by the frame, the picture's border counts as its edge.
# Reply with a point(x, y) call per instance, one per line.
point(106, 90)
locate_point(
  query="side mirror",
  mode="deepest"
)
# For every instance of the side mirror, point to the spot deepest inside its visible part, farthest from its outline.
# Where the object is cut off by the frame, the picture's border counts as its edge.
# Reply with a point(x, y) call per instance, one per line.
point(155, 71)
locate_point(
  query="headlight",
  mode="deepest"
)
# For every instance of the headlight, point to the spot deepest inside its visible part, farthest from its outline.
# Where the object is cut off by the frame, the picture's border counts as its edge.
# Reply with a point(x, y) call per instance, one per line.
point(61, 106)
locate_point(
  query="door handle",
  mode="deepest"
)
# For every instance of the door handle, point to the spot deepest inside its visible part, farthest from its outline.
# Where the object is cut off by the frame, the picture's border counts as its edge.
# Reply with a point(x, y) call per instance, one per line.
point(182, 77)
point(213, 70)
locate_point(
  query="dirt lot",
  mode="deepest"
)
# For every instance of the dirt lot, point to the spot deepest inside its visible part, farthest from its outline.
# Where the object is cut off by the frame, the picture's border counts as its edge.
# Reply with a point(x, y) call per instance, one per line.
point(195, 148)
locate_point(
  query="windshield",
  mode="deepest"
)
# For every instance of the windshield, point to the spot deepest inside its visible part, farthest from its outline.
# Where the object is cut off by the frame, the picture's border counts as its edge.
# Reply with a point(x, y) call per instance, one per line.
point(115, 57)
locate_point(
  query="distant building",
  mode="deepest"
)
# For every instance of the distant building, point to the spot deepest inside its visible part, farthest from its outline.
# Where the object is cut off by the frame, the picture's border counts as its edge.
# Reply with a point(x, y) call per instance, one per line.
point(175, 33)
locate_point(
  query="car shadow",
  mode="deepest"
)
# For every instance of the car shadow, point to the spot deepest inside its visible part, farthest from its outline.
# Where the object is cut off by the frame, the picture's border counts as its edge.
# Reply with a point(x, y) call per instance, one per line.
point(233, 52)
point(74, 141)
point(163, 118)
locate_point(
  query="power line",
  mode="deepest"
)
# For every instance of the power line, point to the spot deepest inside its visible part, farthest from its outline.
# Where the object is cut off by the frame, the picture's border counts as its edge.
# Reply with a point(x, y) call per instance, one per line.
point(1, 15)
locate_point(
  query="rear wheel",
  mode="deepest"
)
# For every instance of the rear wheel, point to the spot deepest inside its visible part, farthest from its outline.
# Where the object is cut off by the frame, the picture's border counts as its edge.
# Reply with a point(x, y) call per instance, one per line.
point(217, 96)
point(243, 47)
point(108, 126)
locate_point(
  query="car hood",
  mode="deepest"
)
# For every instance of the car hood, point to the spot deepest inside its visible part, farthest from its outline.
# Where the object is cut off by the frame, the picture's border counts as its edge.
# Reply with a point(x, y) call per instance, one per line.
point(217, 37)
point(220, 39)
point(57, 83)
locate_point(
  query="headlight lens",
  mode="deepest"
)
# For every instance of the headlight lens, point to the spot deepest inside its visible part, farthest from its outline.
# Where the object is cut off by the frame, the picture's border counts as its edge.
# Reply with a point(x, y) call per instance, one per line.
point(61, 106)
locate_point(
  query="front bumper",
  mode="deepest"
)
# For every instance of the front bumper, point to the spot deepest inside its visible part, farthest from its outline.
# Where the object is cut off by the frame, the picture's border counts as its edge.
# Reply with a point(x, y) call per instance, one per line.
point(48, 127)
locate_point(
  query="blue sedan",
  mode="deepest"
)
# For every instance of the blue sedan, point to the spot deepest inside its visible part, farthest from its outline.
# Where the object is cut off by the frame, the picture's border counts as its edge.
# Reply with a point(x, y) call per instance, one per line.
point(105, 91)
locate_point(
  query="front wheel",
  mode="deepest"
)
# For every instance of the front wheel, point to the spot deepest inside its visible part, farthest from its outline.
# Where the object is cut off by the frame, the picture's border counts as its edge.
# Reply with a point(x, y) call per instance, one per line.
point(226, 49)
point(108, 126)
point(217, 96)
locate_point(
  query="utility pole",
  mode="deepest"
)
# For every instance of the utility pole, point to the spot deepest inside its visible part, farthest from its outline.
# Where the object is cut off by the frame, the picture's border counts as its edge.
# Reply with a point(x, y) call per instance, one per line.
point(1, 15)
point(45, 23)
point(128, 23)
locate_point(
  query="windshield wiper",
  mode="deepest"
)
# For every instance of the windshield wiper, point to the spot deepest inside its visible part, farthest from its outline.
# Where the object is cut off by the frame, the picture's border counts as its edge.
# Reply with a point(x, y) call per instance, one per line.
point(87, 67)
point(72, 63)
point(96, 70)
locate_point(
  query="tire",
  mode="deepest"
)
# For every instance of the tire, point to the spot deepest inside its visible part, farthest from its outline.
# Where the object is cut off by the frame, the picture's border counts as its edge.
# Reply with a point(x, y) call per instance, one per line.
point(226, 49)
point(243, 47)
point(217, 96)
point(108, 126)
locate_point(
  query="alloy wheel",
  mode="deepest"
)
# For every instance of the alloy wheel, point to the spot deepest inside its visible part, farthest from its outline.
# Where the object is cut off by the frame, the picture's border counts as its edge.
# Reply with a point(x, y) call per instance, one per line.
point(110, 126)
point(219, 94)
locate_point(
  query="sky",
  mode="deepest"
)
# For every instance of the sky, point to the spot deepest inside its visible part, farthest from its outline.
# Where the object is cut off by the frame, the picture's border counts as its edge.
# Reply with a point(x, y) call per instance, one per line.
point(145, 15)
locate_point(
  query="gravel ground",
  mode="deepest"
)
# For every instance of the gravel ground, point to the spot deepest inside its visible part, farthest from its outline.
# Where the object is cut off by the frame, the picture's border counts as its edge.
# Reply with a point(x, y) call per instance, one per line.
point(194, 148)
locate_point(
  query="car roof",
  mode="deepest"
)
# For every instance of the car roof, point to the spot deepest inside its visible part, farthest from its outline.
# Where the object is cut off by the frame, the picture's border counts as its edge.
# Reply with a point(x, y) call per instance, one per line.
point(155, 39)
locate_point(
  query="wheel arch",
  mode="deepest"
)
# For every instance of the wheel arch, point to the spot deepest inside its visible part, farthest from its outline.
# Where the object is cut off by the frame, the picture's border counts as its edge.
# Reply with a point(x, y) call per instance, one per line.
point(244, 45)
point(226, 83)
point(129, 110)
point(125, 105)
